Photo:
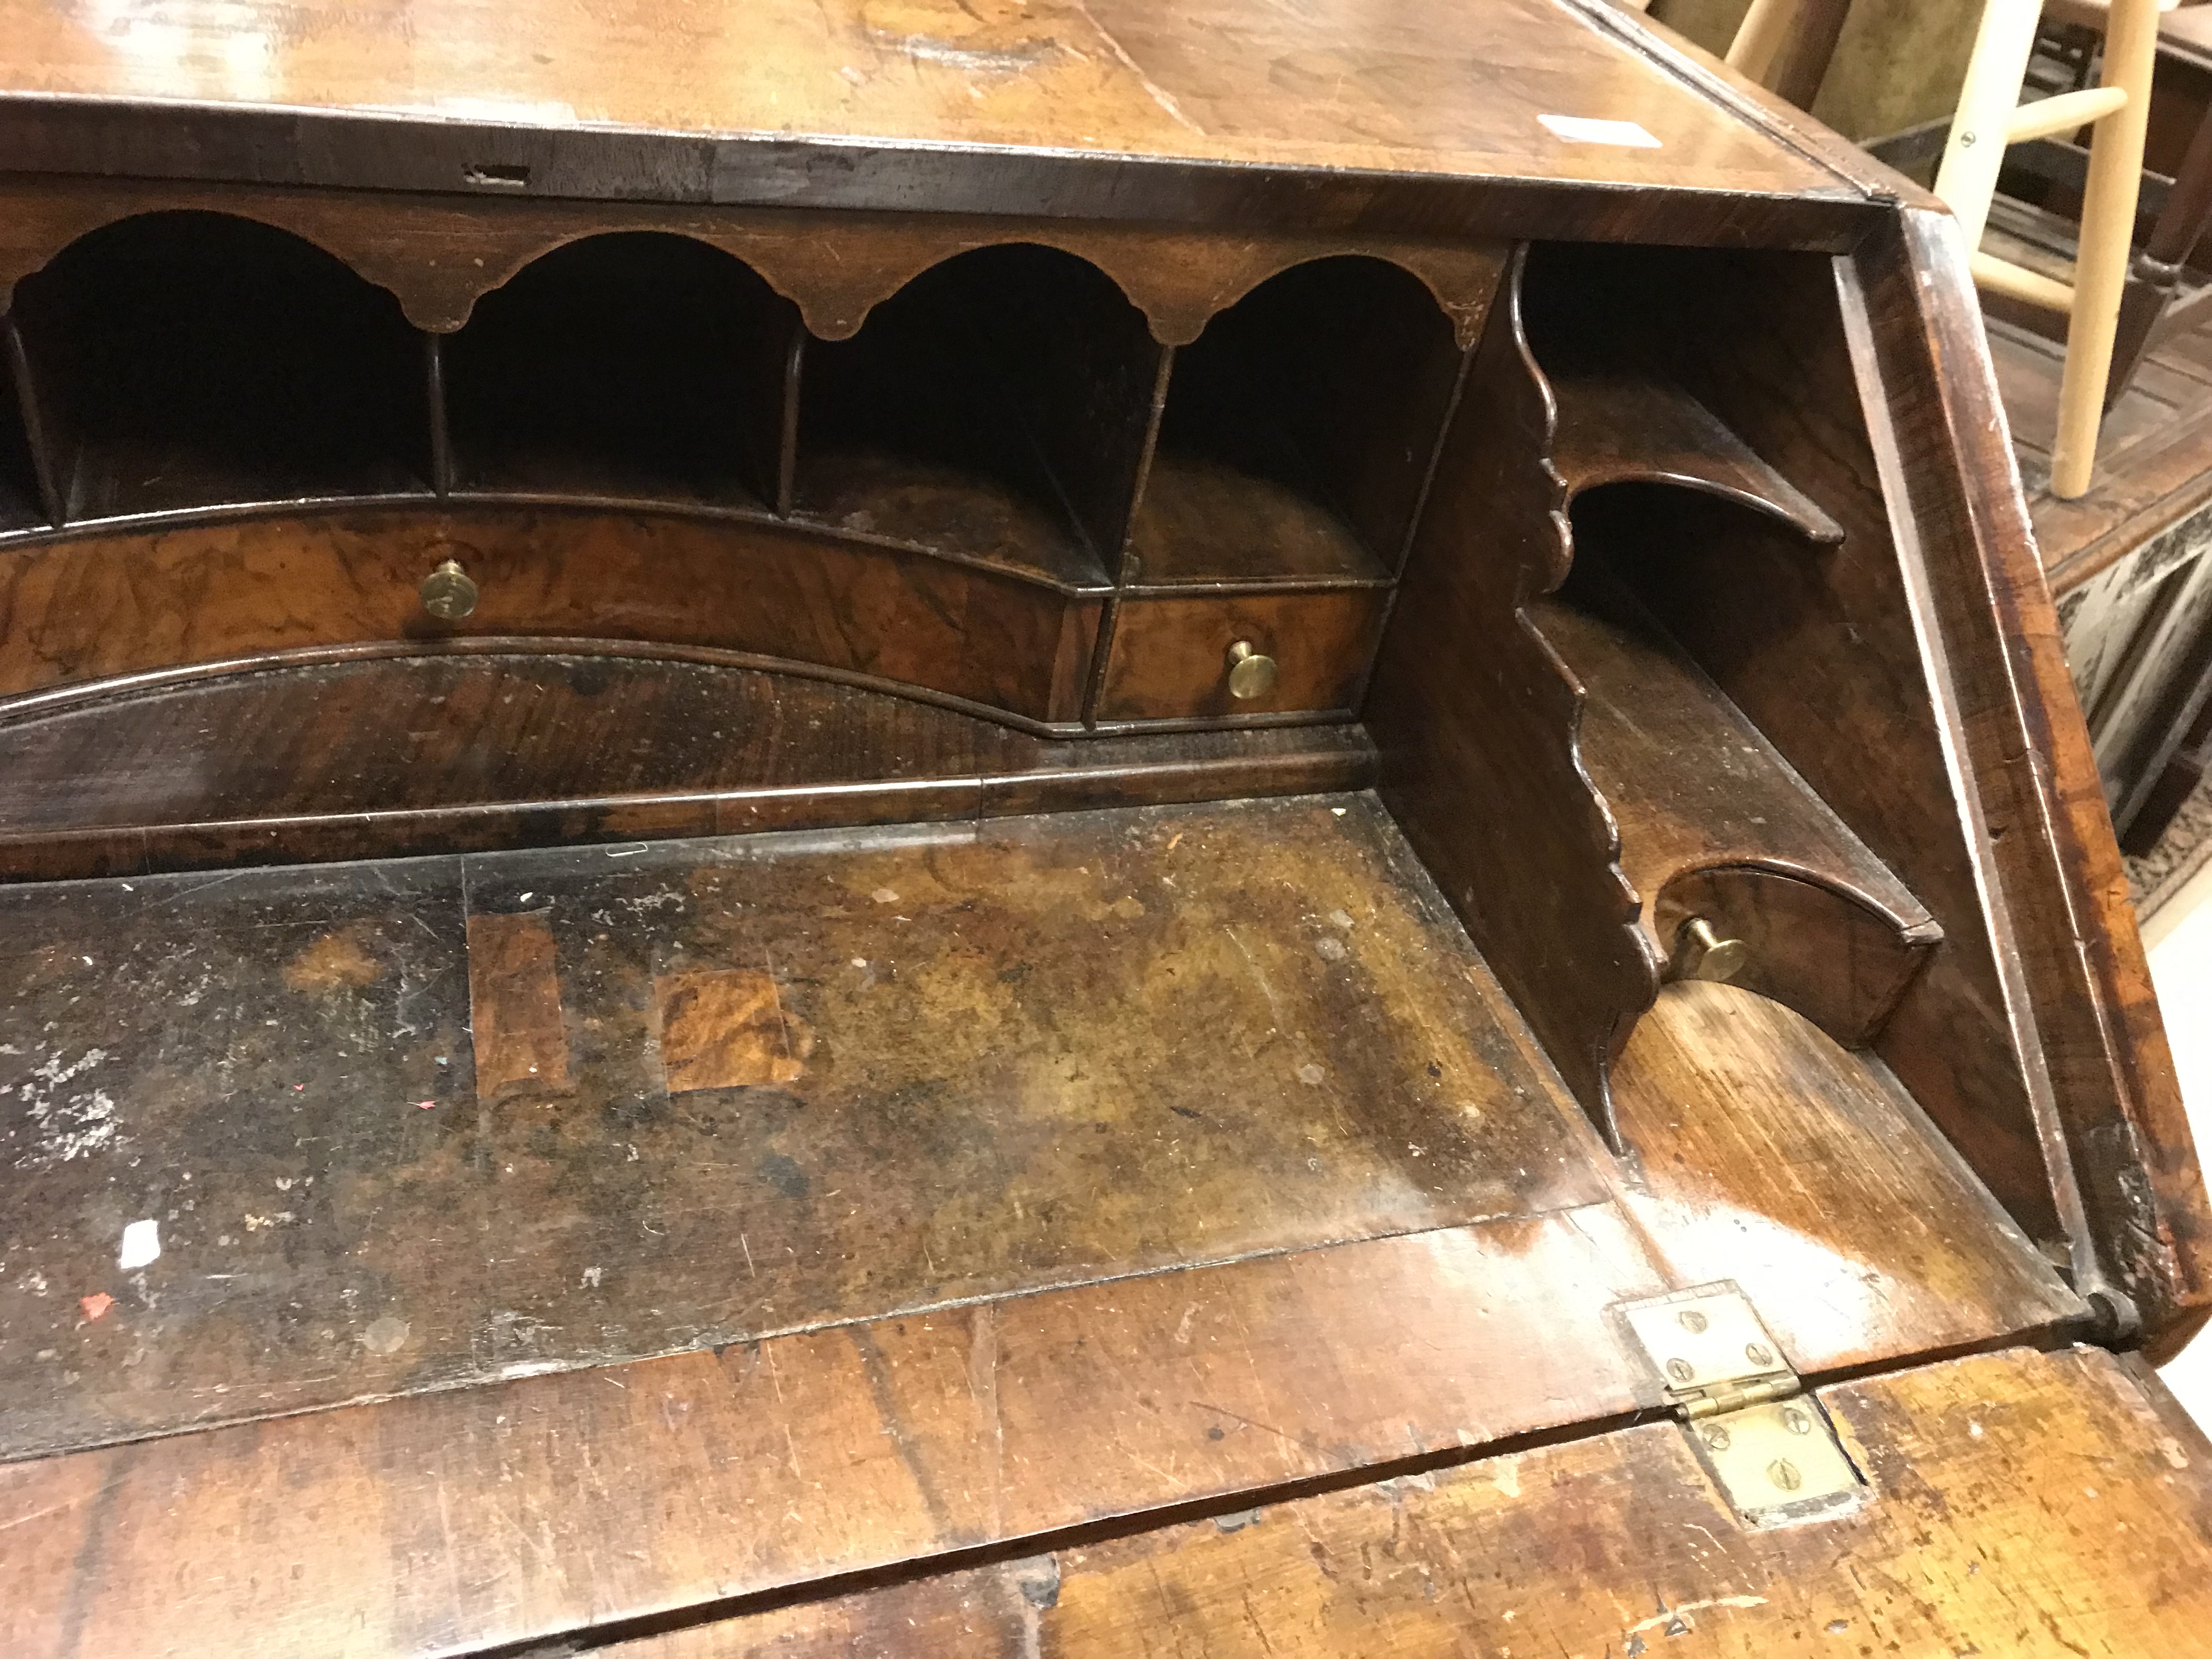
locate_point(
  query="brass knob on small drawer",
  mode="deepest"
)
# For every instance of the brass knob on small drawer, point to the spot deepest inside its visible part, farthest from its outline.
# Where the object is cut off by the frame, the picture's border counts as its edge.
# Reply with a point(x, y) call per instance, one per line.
point(1250, 674)
point(447, 592)
point(1701, 953)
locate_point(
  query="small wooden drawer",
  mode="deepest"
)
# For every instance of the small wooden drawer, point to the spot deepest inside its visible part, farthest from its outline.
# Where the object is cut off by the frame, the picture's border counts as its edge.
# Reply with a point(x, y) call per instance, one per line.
point(1171, 658)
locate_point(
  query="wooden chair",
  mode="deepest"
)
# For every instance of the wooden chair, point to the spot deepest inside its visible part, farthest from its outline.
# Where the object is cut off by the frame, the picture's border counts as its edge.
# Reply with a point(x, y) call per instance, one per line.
point(1786, 45)
point(1990, 116)
point(2154, 307)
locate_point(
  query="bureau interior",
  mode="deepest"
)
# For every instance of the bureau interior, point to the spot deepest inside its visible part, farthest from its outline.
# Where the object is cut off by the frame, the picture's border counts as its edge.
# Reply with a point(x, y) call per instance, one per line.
point(1559, 568)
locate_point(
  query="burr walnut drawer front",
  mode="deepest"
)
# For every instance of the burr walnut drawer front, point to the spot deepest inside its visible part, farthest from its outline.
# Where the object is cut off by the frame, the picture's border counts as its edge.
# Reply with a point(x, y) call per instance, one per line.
point(1244, 653)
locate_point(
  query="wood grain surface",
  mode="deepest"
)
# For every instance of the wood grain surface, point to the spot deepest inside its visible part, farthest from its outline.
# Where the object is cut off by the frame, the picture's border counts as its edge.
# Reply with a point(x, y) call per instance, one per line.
point(2115, 1107)
point(89, 607)
point(1480, 750)
point(1850, 1223)
point(454, 751)
point(2024, 1504)
point(1344, 85)
point(1169, 658)
point(449, 1522)
point(517, 1030)
point(998, 1056)
point(1223, 1349)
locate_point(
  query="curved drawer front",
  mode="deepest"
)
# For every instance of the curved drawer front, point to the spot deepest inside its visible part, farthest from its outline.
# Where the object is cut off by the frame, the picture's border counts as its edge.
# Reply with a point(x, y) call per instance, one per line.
point(1171, 658)
point(92, 607)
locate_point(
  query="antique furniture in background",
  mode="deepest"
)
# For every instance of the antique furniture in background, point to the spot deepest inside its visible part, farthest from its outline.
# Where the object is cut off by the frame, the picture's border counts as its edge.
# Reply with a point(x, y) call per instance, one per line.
point(1989, 118)
point(1429, 855)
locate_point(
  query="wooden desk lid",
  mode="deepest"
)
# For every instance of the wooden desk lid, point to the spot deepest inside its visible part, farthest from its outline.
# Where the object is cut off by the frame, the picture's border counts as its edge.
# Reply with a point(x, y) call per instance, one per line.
point(855, 102)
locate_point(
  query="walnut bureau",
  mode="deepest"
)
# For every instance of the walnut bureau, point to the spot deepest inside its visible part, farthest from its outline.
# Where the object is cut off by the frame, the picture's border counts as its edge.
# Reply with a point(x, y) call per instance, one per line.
point(891, 827)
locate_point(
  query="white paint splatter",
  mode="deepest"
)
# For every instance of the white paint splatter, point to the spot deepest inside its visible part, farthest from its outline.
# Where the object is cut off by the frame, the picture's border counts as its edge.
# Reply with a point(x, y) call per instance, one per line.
point(142, 1245)
point(1505, 1475)
point(68, 1126)
point(1674, 1615)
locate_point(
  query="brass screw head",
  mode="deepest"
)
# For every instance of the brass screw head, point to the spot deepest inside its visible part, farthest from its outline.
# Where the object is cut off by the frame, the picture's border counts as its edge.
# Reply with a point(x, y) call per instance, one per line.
point(1758, 1354)
point(447, 592)
point(1797, 1422)
point(1716, 1437)
point(1783, 1473)
point(1679, 1370)
point(1250, 673)
point(1693, 1322)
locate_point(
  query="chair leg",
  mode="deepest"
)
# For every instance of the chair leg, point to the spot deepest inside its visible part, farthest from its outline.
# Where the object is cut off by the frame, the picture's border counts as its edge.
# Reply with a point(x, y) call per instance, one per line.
point(2155, 275)
point(1759, 37)
point(1975, 152)
point(1799, 64)
point(2108, 223)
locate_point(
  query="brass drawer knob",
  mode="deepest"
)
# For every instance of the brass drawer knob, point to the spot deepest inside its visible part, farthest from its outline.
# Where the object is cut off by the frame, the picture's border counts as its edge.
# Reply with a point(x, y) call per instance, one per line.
point(447, 592)
point(1250, 674)
point(1701, 953)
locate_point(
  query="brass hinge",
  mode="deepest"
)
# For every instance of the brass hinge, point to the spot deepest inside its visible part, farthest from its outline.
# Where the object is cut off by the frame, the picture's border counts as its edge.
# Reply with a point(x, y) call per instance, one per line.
point(1767, 1444)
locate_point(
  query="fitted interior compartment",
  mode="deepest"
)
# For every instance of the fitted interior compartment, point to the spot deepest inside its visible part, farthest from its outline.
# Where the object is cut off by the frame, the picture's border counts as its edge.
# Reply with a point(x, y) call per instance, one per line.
point(194, 359)
point(635, 364)
point(994, 407)
point(1299, 431)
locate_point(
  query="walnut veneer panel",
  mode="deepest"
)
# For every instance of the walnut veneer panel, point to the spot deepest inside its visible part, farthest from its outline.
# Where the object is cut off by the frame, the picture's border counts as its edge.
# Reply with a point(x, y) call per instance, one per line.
point(1348, 84)
point(2025, 1504)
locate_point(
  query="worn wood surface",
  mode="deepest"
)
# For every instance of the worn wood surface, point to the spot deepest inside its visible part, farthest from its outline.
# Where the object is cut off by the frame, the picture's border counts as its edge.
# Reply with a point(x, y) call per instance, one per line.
point(721, 1089)
point(2025, 1504)
point(782, 108)
point(2115, 1110)
point(1701, 798)
point(1854, 1227)
point(463, 750)
point(492, 1514)
point(1535, 874)
point(450, 1522)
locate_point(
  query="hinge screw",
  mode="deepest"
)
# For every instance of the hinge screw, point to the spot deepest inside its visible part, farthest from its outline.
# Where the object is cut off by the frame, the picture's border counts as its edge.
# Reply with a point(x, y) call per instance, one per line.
point(1693, 1322)
point(1758, 1354)
point(1679, 1370)
point(1783, 1473)
point(1718, 1438)
point(1798, 1422)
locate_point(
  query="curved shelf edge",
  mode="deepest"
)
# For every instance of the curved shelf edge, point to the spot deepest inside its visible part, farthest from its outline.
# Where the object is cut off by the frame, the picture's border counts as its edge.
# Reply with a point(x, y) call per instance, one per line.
point(1809, 941)
point(1627, 429)
point(1714, 825)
